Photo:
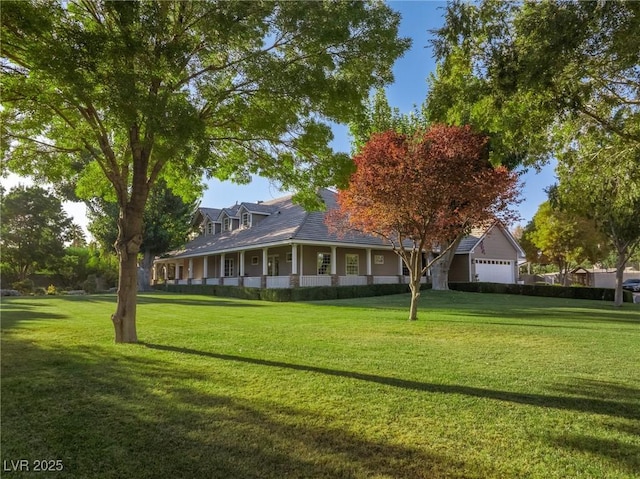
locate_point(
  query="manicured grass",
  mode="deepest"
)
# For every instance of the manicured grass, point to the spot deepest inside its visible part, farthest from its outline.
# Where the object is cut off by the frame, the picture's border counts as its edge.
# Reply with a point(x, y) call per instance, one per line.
point(481, 386)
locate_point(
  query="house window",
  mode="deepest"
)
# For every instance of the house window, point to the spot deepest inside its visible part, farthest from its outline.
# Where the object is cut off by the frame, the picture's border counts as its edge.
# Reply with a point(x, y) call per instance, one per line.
point(228, 267)
point(254, 260)
point(289, 257)
point(351, 264)
point(324, 263)
point(226, 225)
point(210, 228)
point(246, 220)
point(378, 259)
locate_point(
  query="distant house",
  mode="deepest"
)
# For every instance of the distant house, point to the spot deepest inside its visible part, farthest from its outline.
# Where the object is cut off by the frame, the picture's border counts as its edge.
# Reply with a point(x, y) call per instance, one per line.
point(599, 277)
point(277, 244)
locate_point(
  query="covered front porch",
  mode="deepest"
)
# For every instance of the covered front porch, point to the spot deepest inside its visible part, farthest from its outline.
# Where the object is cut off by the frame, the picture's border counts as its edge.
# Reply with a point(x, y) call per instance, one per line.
point(285, 266)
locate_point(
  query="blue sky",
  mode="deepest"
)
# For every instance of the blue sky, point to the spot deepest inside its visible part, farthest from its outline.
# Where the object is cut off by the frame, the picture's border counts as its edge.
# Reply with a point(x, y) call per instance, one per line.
point(408, 90)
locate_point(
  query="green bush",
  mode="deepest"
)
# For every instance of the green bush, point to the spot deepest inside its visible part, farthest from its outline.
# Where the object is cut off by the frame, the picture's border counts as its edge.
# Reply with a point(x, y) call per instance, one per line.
point(548, 291)
point(25, 286)
point(90, 285)
point(316, 293)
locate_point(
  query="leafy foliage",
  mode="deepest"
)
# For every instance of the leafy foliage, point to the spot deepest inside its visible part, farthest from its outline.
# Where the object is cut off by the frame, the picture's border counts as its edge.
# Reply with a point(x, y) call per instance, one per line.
point(33, 230)
point(520, 70)
point(121, 94)
point(419, 191)
point(563, 239)
point(600, 178)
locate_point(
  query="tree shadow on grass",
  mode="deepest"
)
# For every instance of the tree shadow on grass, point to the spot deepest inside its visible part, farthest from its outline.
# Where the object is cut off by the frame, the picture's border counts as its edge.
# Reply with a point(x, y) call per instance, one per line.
point(160, 298)
point(108, 413)
point(624, 454)
point(624, 408)
point(13, 313)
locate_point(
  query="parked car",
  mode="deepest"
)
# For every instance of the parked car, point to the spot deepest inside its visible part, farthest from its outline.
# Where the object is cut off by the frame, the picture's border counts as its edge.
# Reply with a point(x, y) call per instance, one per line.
point(631, 284)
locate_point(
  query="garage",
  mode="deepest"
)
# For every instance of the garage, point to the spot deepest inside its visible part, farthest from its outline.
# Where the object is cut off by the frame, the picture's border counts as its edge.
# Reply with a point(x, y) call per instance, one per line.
point(495, 270)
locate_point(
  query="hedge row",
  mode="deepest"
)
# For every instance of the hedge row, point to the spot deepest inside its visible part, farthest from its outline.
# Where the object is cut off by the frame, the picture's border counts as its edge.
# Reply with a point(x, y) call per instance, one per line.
point(316, 293)
point(319, 293)
point(572, 292)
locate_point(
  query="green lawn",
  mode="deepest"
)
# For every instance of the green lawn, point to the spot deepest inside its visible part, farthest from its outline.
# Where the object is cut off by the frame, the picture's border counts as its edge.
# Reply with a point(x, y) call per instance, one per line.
point(481, 386)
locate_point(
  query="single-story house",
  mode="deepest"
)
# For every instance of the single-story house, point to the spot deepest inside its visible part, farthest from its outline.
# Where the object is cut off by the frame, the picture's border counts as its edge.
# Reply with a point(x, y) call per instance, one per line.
point(277, 244)
point(600, 277)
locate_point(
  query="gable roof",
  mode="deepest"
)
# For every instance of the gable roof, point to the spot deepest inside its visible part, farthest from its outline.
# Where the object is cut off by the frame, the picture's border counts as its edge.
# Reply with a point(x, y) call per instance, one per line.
point(469, 243)
point(287, 222)
point(205, 213)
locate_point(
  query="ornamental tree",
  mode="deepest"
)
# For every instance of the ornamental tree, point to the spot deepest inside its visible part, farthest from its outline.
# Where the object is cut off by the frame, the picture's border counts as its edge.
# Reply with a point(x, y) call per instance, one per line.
point(122, 93)
point(418, 191)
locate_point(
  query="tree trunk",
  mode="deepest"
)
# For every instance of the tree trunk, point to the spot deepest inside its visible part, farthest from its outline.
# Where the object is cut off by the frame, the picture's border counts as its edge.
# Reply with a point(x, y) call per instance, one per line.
point(414, 286)
point(147, 264)
point(620, 264)
point(128, 245)
point(440, 274)
point(440, 268)
point(415, 272)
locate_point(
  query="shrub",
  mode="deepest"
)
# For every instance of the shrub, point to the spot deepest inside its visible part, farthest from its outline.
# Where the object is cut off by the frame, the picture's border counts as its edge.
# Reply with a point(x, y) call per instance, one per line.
point(548, 291)
point(52, 290)
point(25, 286)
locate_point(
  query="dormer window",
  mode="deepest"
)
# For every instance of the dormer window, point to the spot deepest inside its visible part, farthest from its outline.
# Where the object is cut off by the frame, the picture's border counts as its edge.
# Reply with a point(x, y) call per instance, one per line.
point(227, 225)
point(246, 220)
point(210, 228)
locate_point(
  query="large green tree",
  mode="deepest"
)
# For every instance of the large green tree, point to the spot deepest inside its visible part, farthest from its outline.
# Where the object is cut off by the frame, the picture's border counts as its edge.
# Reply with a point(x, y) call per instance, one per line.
point(124, 93)
point(34, 228)
point(564, 239)
point(522, 70)
point(599, 176)
point(167, 223)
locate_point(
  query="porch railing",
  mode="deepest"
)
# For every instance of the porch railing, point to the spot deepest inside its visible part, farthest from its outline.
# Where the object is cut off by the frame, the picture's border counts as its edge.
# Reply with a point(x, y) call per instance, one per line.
point(252, 281)
point(315, 280)
point(352, 280)
point(385, 280)
point(277, 282)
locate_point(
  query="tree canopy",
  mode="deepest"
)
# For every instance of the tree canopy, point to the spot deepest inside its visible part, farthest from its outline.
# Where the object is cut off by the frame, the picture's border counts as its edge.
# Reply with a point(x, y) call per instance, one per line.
point(122, 93)
point(417, 191)
point(521, 71)
point(565, 239)
point(33, 230)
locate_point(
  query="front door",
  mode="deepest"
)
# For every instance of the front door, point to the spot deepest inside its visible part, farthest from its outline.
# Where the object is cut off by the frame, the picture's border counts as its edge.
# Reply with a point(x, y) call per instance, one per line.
point(273, 266)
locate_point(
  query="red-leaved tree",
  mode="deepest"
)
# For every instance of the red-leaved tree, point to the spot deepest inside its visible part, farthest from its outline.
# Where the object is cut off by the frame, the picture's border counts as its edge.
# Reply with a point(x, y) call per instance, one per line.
point(419, 191)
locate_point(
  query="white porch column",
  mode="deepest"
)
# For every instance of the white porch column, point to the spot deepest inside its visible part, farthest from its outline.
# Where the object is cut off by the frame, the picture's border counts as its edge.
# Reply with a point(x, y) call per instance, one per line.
point(205, 267)
point(190, 274)
point(399, 265)
point(368, 261)
point(294, 259)
point(334, 260)
point(222, 265)
point(165, 266)
point(301, 261)
point(265, 261)
point(241, 266)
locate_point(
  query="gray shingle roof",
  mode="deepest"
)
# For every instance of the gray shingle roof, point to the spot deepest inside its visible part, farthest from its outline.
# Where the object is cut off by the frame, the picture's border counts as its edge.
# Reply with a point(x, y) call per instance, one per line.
point(287, 222)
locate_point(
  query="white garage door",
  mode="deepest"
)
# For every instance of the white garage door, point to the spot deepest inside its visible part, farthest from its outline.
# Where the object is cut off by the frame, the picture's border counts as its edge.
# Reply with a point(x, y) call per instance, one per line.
point(495, 270)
